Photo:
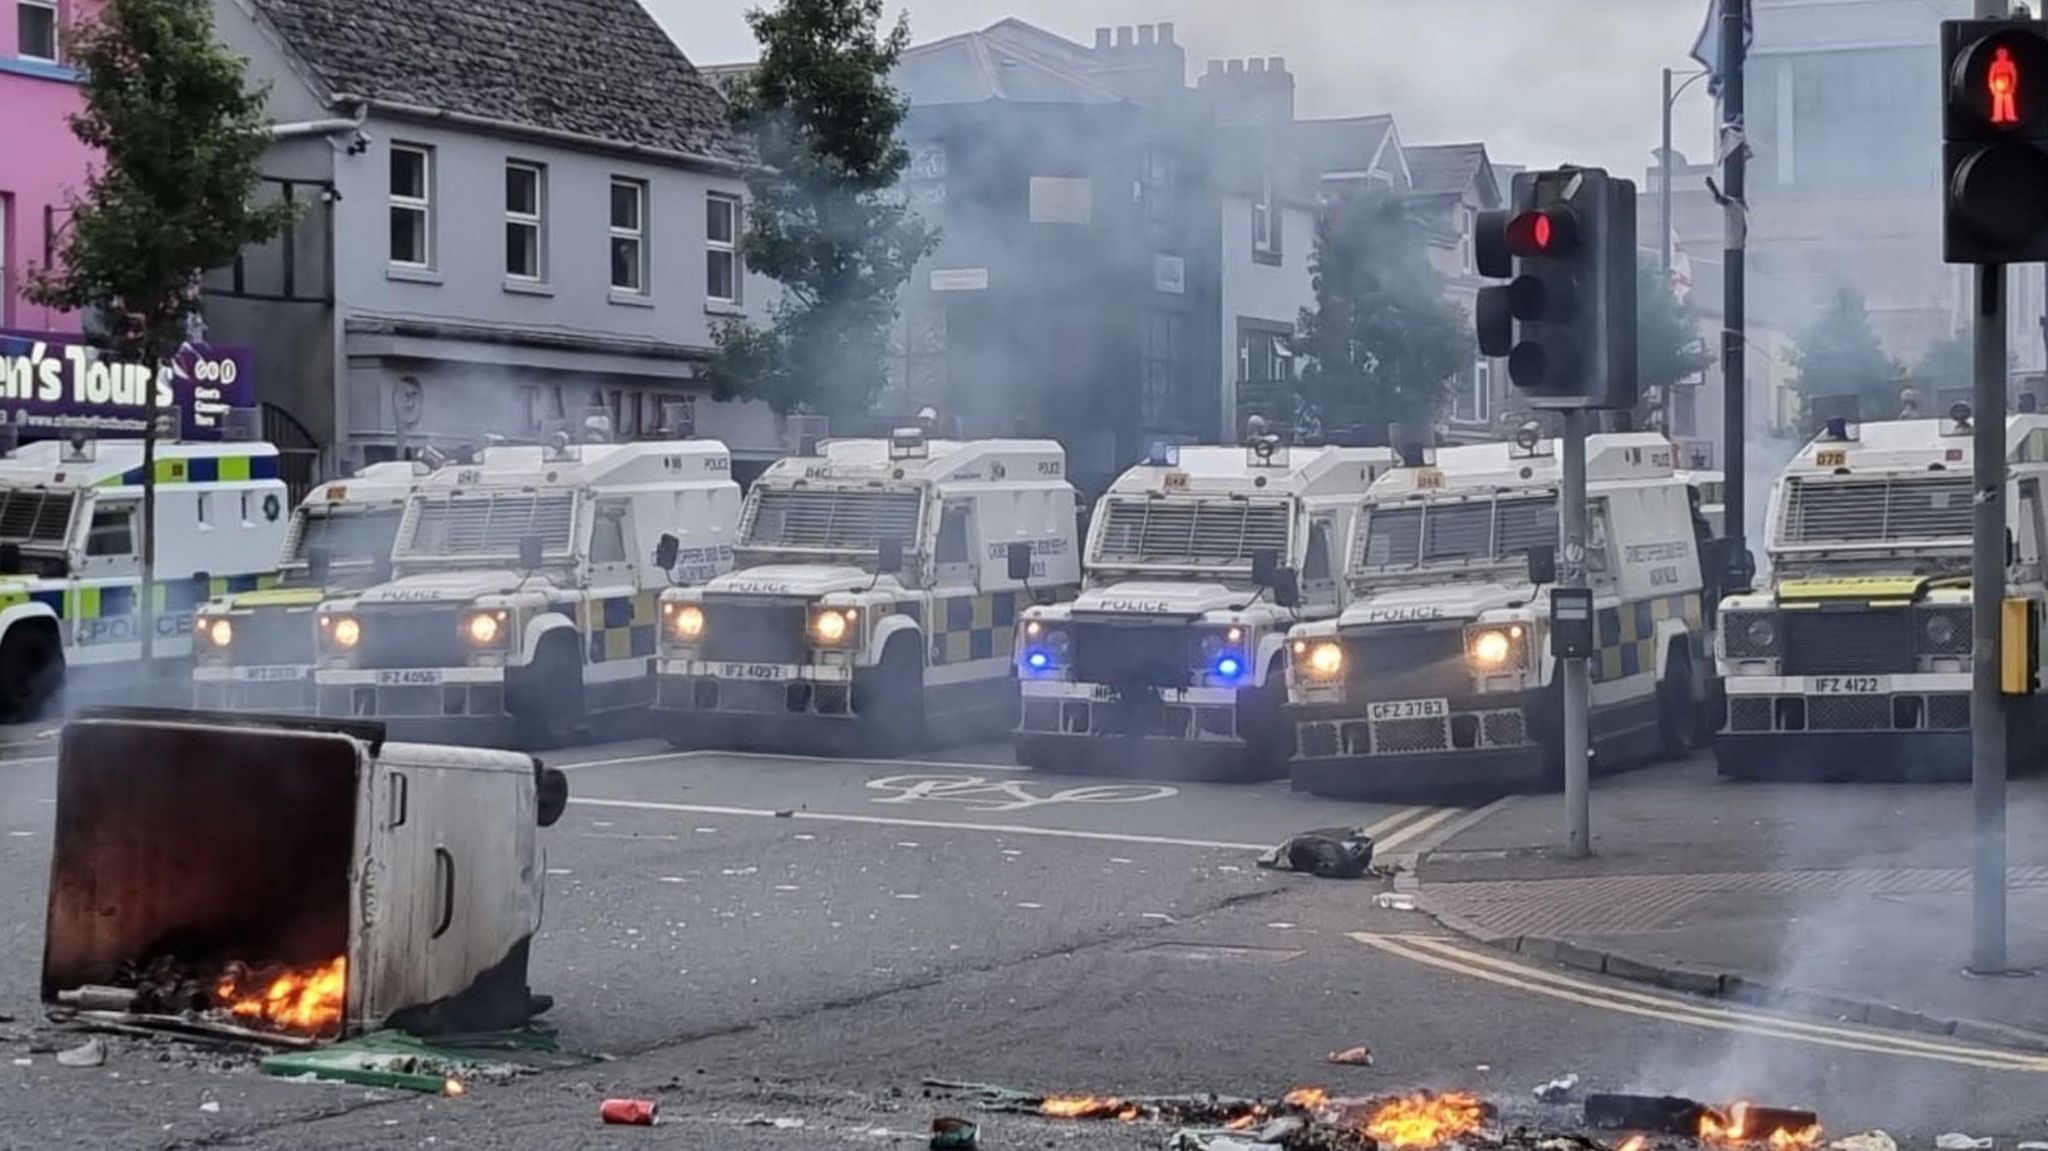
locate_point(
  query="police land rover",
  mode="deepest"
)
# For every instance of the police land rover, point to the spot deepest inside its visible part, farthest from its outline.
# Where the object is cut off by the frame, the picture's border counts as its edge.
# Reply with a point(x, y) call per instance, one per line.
point(1853, 655)
point(70, 545)
point(255, 649)
point(1440, 672)
point(525, 588)
point(1170, 661)
point(875, 597)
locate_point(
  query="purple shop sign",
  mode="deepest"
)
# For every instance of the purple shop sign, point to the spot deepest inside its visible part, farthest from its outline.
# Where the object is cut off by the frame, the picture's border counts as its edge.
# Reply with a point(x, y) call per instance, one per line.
point(52, 383)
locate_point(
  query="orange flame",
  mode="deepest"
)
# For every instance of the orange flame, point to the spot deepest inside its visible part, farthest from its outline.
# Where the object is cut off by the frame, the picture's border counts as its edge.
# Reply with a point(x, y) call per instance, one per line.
point(310, 1000)
point(454, 1087)
point(1633, 1143)
point(1241, 1122)
point(1083, 1107)
point(1307, 1098)
point(1425, 1120)
point(1734, 1128)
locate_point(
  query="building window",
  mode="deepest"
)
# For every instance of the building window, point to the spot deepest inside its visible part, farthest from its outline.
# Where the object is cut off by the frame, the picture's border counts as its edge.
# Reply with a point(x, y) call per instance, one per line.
point(1159, 384)
point(525, 221)
point(35, 26)
point(1465, 224)
point(1162, 187)
point(1472, 401)
point(1262, 220)
point(412, 206)
point(721, 248)
point(1264, 356)
point(629, 236)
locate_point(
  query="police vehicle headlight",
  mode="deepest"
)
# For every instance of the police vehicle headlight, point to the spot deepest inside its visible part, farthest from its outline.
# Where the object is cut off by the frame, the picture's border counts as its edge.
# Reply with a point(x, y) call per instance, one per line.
point(484, 628)
point(1320, 660)
point(1760, 633)
point(343, 630)
point(1495, 648)
point(1045, 647)
point(685, 621)
point(1940, 630)
point(218, 632)
point(833, 625)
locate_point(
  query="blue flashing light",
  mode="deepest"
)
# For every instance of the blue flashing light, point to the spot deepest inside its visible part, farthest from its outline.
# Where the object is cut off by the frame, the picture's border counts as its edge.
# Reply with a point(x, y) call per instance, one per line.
point(1838, 428)
point(1038, 660)
point(1229, 667)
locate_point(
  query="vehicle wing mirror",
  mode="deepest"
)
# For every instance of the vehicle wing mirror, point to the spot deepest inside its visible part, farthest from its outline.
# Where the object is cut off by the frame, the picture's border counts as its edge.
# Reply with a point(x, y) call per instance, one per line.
point(666, 550)
point(10, 559)
point(531, 553)
point(1265, 562)
point(1020, 562)
point(889, 555)
point(1286, 585)
point(319, 561)
point(1543, 564)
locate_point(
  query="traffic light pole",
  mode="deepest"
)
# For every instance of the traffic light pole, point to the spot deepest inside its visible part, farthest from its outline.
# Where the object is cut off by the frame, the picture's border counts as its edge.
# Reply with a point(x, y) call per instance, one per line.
point(1987, 593)
point(1578, 688)
point(1734, 176)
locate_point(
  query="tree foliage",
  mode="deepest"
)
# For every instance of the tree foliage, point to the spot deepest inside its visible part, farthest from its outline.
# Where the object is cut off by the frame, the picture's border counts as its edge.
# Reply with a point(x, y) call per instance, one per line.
point(1669, 347)
point(181, 141)
point(1839, 354)
point(1382, 341)
point(821, 221)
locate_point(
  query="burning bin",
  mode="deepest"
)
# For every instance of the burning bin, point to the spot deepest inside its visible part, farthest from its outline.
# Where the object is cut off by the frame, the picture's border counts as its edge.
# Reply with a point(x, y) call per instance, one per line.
point(297, 879)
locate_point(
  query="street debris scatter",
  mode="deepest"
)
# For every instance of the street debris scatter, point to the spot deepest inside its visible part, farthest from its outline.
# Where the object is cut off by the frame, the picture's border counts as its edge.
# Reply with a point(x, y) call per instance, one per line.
point(779, 1122)
point(951, 1134)
point(630, 1112)
point(1394, 901)
point(1336, 853)
point(210, 1107)
point(1957, 1141)
point(91, 1053)
point(1360, 1056)
point(1558, 1090)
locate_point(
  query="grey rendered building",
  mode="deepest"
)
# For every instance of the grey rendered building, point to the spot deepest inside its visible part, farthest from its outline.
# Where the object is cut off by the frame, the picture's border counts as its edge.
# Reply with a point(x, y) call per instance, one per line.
point(517, 214)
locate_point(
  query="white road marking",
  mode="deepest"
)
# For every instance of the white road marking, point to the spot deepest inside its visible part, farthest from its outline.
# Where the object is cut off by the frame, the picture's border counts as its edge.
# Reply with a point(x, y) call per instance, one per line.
point(1460, 826)
point(1409, 831)
point(938, 824)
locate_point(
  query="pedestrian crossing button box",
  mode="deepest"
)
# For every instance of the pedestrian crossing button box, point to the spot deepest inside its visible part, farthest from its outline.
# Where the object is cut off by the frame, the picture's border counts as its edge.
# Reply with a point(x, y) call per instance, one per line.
point(1571, 622)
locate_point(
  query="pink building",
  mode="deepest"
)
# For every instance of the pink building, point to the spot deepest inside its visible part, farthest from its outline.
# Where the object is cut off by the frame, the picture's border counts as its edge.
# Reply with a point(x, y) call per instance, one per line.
point(44, 161)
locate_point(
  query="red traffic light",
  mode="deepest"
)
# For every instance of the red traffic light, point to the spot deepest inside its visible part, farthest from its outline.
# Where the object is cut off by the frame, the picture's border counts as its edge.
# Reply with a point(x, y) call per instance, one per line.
point(2003, 81)
point(1999, 78)
point(1541, 233)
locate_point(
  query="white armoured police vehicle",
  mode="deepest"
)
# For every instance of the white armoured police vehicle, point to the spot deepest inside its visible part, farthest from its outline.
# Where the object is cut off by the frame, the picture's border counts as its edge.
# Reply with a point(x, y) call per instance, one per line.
point(70, 551)
point(1171, 661)
point(254, 650)
point(876, 595)
point(1440, 672)
point(1853, 655)
point(525, 586)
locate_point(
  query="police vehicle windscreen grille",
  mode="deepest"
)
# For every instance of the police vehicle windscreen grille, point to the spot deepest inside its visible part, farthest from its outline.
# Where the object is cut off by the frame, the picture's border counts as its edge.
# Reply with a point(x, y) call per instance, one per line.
point(29, 517)
point(829, 519)
point(347, 536)
point(1480, 530)
point(490, 526)
point(1153, 531)
point(1880, 509)
point(1126, 656)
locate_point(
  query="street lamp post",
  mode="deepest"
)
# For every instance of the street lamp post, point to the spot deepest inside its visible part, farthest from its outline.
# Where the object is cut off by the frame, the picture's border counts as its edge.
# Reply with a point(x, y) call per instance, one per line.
point(1671, 96)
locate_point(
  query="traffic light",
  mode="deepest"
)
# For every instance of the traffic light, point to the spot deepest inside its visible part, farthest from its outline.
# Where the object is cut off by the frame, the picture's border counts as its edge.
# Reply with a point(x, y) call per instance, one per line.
point(1566, 321)
point(1994, 141)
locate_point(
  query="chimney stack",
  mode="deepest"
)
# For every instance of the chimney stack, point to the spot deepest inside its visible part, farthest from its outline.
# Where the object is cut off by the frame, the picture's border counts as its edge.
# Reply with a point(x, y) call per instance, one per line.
point(1258, 91)
point(1235, 67)
point(1123, 36)
point(1256, 66)
point(1166, 32)
point(1148, 35)
point(1101, 39)
point(1215, 68)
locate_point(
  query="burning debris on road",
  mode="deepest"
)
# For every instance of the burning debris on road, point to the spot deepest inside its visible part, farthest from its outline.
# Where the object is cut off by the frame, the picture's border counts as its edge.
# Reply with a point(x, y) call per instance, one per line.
point(1311, 1119)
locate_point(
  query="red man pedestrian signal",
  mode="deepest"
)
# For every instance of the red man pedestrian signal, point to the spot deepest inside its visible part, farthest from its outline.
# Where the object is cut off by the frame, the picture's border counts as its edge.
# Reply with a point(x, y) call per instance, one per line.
point(1994, 141)
point(2003, 79)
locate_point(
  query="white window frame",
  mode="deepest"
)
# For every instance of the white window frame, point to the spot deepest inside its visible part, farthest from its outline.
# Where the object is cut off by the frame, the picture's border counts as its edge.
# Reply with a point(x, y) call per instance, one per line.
point(422, 204)
point(1262, 218)
point(637, 235)
point(1467, 220)
point(537, 220)
point(56, 31)
point(1482, 390)
point(731, 247)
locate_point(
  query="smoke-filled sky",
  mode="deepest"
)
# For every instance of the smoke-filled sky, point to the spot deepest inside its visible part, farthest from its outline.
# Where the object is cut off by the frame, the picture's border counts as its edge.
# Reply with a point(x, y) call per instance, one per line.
point(1540, 82)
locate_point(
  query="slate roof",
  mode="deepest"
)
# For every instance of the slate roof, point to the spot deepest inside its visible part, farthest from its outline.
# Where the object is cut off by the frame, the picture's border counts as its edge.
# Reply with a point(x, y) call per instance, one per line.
point(602, 69)
point(1445, 169)
point(977, 67)
point(1346, 145)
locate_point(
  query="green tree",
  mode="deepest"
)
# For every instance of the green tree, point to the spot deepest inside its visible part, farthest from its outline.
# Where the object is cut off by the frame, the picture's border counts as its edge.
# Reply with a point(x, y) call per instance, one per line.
point(822, 222)
point(1945, 364)
point(1668, 343)
point(181, 140)
point(1839, 354)
point(1382, 341)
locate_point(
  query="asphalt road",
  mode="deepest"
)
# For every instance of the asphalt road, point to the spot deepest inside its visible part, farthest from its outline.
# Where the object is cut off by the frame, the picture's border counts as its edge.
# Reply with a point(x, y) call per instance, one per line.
point(746, 937)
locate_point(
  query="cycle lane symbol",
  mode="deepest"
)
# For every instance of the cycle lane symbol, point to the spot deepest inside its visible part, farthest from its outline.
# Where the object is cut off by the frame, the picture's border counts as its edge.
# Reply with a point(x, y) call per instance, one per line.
point(975, 793)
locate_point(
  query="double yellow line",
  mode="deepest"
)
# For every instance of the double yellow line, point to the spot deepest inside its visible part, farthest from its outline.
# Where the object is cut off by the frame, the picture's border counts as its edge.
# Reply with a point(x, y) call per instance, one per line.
point(1445, 955)
point(1407, 826)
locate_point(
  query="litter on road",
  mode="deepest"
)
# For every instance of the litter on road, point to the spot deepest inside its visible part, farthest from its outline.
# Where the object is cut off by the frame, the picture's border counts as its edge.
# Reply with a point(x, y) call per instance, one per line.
point(1335, 853)
point(1957, 1141)
point(630, 1112)
point(1879, 1141)
point(91, 1053)
point(951, 1134)
point(1558, 1090)
point(1360, 1056)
